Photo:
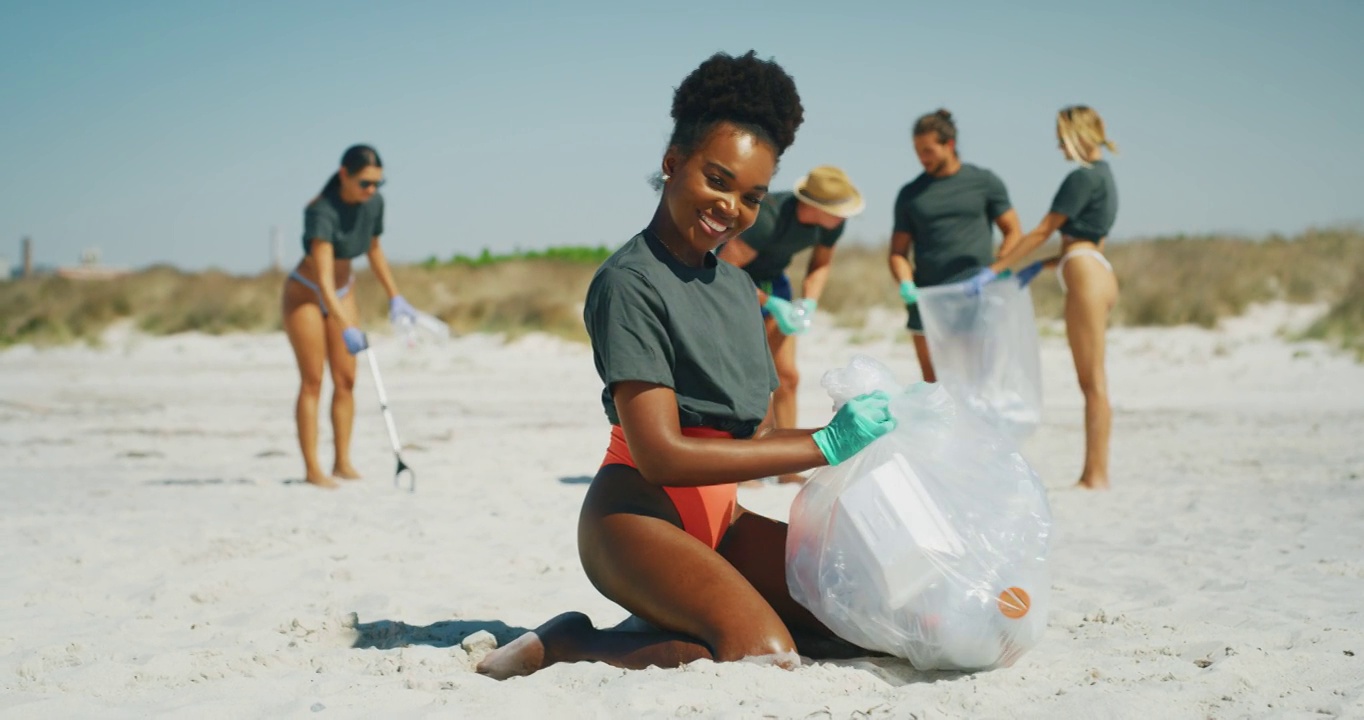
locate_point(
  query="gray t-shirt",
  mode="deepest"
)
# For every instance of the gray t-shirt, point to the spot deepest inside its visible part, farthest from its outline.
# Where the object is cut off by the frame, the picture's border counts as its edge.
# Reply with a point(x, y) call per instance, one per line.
point(349, 228)
point(696, 330)
point(777, 236)
point(950, 221)
point(1089, 200)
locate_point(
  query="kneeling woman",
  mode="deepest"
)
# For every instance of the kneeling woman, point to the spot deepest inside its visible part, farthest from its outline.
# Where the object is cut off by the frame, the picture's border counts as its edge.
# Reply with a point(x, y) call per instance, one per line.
point(1084, 211)
point(688, 379)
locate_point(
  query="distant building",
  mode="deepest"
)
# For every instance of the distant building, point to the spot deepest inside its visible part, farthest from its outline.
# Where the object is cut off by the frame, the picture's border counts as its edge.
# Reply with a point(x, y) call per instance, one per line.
point(6, 269)
point(90, 268)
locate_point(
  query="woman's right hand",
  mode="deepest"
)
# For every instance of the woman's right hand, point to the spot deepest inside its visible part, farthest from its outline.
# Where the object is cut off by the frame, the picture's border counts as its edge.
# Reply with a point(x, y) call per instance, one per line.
point(855, 425)
point(786, 315)
point(355, 340)
point(909, 292)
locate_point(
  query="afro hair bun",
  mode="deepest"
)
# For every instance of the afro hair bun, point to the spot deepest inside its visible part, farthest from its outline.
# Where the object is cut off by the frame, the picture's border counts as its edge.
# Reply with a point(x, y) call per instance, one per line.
point(754, 94)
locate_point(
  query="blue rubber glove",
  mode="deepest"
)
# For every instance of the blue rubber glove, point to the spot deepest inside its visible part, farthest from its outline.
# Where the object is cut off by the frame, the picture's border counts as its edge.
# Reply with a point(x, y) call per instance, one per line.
point(1026, 275)
point(855, 425)
point(977, 283)
point(400, 310)
point(909, 292)
point(786, 315)
point(355, 340)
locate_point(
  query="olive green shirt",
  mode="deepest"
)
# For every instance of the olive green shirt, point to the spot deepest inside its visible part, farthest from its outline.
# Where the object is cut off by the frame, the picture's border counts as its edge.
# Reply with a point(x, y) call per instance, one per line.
point(696, 330)
point(777, 236)
point(1089, 200)
point(349, 228)
point(950, 220)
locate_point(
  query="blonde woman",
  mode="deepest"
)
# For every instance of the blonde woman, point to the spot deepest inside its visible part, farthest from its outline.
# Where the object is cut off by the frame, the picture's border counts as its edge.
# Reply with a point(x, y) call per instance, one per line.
point(1083, 211)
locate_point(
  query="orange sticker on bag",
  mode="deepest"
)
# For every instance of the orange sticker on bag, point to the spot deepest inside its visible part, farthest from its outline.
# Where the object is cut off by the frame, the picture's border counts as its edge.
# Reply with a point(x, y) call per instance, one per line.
point(1014, 603)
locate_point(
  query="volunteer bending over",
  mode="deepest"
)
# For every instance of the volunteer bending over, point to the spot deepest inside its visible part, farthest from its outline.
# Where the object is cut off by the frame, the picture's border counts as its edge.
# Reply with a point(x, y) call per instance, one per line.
point(813, 216)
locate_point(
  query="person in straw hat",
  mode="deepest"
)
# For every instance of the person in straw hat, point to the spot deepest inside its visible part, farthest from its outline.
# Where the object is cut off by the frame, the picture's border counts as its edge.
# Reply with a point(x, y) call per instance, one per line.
point(812, 216)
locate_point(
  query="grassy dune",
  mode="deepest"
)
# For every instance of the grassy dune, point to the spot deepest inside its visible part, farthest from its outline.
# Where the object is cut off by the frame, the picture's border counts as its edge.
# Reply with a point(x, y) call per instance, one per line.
point(1164, 281)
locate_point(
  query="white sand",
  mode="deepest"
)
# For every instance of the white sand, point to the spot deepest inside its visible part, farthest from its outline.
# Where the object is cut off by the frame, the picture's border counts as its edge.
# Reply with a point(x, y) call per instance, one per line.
point(156, 563)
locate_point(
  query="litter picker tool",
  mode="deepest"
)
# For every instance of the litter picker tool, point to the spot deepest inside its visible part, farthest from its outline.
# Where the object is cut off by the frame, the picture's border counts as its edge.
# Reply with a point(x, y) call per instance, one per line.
point(392, 429)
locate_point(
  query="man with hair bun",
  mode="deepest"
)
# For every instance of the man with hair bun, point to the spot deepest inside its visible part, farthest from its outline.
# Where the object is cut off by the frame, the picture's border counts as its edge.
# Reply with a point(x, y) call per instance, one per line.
point(942, 232)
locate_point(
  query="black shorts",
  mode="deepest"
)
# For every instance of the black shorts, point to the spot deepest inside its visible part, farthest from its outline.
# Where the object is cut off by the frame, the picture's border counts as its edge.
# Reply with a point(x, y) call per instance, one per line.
point(916, 323)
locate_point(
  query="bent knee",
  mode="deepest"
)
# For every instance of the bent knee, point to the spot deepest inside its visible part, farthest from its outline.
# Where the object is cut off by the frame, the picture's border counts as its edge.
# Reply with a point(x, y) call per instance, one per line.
point(789, 379)
point(753, 643)
point(343, 382)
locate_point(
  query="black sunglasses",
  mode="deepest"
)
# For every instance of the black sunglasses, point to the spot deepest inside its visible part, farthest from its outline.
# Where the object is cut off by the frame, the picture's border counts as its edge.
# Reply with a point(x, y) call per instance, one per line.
point(367, 184)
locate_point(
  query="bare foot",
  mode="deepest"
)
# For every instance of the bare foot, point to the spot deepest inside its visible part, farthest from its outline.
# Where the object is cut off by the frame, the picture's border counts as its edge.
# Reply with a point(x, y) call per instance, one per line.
point(321, 480)
point(1093, 482)
point(346, 472)
point(791, 479)
point(527, 653)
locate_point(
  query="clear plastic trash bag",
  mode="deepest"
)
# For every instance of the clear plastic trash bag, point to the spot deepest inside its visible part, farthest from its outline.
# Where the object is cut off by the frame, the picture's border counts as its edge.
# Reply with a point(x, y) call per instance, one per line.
point(411, 329)
point(984, 350)
point(931, 543)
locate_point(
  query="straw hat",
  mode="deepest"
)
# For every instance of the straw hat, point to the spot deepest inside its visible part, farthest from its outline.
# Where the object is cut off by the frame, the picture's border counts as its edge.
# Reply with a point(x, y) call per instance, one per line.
point(828, 188)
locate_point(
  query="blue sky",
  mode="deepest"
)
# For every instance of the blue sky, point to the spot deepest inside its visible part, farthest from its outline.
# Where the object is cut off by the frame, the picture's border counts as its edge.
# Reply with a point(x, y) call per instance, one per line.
point(183, 132)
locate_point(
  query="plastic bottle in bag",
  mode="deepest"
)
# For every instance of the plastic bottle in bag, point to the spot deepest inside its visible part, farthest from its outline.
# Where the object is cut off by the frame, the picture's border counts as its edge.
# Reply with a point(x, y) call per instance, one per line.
point(931, 543)
point(410, 329)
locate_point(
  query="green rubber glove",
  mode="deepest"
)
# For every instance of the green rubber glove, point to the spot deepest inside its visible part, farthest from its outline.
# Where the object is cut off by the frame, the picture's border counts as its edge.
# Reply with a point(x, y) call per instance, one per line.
point(908, 292)
point(855, 425)
point(787, 316)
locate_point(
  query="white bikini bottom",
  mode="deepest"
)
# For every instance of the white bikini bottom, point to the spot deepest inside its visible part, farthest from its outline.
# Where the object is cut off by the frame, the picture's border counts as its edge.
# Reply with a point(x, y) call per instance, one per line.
point(1077, 252)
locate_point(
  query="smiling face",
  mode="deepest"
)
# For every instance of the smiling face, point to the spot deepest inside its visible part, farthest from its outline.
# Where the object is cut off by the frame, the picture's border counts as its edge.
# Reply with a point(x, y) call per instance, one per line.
point(713, 194)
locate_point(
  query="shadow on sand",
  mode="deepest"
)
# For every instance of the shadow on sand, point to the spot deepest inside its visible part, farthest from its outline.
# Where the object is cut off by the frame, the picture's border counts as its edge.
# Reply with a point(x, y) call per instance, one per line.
point(390, 634)
point(200, 482)
point(393, 634)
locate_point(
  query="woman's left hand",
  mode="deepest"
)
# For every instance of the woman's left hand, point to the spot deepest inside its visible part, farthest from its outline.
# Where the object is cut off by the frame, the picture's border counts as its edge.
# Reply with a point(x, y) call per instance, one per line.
point(977, 283)
point(1026, 275)
point(400, 310)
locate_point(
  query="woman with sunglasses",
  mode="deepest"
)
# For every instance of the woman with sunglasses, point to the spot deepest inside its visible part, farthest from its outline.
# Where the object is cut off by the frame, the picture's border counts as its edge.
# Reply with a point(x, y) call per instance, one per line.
point(687, 379)
point(1083, 211)
point(320, 314)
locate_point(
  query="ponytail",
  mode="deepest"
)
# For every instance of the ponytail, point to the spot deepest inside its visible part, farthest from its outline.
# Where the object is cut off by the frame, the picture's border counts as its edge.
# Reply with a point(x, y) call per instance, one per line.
point(333, 184)
point(1082, 130)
